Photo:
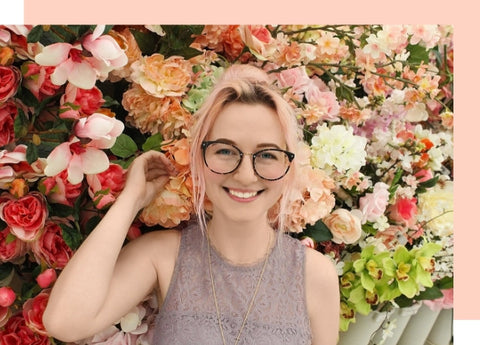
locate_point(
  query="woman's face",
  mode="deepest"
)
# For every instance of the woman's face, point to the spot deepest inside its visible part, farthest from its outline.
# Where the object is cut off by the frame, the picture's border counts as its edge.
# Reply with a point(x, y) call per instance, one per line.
point(242, 195)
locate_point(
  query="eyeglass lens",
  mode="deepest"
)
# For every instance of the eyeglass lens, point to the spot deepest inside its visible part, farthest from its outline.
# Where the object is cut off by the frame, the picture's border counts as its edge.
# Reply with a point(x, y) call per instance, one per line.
point(223, 158)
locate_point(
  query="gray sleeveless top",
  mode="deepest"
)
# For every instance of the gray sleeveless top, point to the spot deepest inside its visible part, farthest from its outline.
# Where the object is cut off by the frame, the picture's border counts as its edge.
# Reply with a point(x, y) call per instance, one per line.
point(278, 316)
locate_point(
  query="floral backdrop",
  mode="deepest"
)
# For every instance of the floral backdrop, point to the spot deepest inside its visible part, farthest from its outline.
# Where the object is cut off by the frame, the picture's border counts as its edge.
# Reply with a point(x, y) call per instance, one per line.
point(375, 102)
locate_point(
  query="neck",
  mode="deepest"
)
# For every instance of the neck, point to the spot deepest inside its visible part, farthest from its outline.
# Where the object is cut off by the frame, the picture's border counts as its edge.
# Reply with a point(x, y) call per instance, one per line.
point(241, 243)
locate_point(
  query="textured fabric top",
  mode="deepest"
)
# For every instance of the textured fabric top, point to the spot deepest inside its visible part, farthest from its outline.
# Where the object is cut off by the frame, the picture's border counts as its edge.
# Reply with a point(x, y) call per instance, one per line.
point(279, 314)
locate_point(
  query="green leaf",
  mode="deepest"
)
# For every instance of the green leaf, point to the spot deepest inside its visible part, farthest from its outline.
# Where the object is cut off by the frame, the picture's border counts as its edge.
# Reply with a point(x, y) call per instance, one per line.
point(61, 210)
point(147, 41)
point(153, 142)
point(429, 294)
point(177, 40)
point(444, 283)
point(20, 124)
point(10, 238)
point(92, 223)
point(6, 270)
point(319, 231)
point(32, 153)
point(418, 54)
point(71, 236)
point(35, 34)
point(429, 183)
point(124, 146)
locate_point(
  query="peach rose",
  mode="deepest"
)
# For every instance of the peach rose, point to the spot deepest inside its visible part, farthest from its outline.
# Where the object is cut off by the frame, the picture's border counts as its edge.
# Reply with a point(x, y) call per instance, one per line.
point(156, 115)
point(162, 77)
point(344, 226)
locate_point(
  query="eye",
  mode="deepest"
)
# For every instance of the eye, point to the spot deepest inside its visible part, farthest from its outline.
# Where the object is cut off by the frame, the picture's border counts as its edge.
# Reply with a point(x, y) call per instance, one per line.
point(269, 155)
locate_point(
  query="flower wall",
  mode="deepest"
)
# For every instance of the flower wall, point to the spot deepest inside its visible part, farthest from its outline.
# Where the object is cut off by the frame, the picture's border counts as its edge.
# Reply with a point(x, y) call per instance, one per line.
point(374, 103)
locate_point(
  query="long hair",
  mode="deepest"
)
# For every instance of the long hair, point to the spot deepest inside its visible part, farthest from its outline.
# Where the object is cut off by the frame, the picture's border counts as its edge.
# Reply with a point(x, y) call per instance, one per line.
point(249, 85)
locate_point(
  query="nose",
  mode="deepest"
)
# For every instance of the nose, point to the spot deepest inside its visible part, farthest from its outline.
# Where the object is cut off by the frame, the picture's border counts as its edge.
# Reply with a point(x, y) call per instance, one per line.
point(245, 173)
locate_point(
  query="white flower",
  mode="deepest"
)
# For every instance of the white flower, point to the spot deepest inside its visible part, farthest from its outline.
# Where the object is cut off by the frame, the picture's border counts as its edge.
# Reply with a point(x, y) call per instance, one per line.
point(435, 207)
point(338, 149)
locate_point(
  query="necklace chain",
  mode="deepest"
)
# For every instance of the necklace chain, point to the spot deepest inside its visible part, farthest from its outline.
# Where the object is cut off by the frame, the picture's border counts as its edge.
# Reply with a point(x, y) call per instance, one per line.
point(251, 301)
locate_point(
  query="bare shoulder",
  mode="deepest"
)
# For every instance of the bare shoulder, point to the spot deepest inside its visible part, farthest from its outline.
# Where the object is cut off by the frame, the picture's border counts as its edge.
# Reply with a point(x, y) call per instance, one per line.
point(319, 269)
point(323, 297)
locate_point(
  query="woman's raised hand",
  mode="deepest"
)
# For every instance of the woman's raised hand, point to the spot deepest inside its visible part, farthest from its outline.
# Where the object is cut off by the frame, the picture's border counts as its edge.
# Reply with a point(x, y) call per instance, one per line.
point(147, 174)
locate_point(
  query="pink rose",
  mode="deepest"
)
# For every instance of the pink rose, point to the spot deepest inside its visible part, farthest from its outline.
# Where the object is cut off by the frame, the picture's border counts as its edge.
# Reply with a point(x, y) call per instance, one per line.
point(33, 310)
point(77, 102)
point(5, 313)
point(46, 278)
point(325, 102)
point(58, 189)
point(344, 226)
point(51, 248)
point(9, 79)
point(104, 187)
point(256, 38)
point(308, 242)
point(296, 78)
point(423, 175)
point(7, 296)
point(37, 80)
point(17, 332)
point(404, 211)
point(25, 216)
point(374, 204)
point(8, 112)
point(10, 249)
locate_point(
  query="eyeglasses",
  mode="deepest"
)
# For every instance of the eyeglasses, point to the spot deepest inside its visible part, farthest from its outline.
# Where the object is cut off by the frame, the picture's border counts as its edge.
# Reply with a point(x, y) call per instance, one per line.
point(269, 164)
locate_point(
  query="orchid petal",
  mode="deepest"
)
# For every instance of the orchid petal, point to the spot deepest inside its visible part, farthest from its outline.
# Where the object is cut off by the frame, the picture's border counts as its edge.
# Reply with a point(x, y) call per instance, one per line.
point(95, 126)
point(58, 159)
point(83, 75)
point(94, 161)
point(60, 75)
point(6, 172)
point(75, 169)
point(105, 48)
point(53, 54)
point(99, 29)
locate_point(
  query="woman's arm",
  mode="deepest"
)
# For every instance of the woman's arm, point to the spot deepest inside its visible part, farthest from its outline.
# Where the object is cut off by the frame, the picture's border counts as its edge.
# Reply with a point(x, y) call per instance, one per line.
point(102, 282)
point(323, 298)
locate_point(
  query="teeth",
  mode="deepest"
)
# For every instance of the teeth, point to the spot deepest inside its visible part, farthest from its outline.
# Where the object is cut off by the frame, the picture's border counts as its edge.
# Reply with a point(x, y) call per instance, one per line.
point(242, 195)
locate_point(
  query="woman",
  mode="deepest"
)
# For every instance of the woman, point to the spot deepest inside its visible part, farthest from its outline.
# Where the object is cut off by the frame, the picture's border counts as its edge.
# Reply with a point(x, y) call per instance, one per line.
point(232, 277)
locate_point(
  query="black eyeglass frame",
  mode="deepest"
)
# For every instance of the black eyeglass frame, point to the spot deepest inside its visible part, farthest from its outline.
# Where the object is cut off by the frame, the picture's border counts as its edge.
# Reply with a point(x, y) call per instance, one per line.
point(206, 144)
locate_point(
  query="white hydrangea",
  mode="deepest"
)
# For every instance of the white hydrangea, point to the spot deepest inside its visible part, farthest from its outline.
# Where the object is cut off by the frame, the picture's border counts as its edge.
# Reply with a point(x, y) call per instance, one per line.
point(435, 208)
point(338, 149)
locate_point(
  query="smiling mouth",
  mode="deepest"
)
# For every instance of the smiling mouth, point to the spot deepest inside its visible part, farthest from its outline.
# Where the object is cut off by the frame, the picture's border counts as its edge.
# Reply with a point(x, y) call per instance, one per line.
point(242, 195)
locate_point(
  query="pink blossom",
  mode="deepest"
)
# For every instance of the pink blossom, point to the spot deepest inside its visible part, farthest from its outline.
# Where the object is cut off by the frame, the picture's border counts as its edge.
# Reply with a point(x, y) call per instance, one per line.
point(105, 49)
point(424, 175)
point(256, 38)
point(308, 242)
point(296, 78)
point(46, 278)
point(374, 204)
point(7, 296)
point(429, 35)
point(77, 159)
point(444, 302)
point(103, 130)
point(14, 157)
point(37, 80)
point(404, 211)
point(70, 64)
point(325, 102)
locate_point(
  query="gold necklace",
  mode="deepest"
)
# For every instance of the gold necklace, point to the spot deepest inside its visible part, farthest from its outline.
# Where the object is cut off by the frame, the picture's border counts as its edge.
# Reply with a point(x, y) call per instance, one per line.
point(251, 301)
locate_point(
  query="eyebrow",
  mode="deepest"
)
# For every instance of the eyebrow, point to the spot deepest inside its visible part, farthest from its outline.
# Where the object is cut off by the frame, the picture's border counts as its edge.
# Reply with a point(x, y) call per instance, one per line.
point(259, 146)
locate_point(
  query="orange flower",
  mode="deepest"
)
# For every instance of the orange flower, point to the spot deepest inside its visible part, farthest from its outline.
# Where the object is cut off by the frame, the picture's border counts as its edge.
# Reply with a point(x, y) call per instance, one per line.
point(156, 115)
point(162, 77)
point(221, 38)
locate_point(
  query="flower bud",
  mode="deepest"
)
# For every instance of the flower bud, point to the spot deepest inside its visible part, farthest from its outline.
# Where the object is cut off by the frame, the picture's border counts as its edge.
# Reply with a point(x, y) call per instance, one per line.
point(47, 277)
point(7, 296)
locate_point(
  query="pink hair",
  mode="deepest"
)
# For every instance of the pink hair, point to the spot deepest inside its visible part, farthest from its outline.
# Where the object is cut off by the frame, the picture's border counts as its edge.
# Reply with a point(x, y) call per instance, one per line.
point(251, 85)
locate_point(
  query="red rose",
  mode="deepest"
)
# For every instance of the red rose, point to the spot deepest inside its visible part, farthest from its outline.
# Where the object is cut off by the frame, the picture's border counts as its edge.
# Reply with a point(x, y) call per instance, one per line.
point(33, 310)
point(57, 189)
point(51, 248)
point(10, 249)
point(104, 187)
point(8, 112)
point(16, 332)
point(25, 216)
point(37, 80)
point(9, 79)
point(86, 102)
